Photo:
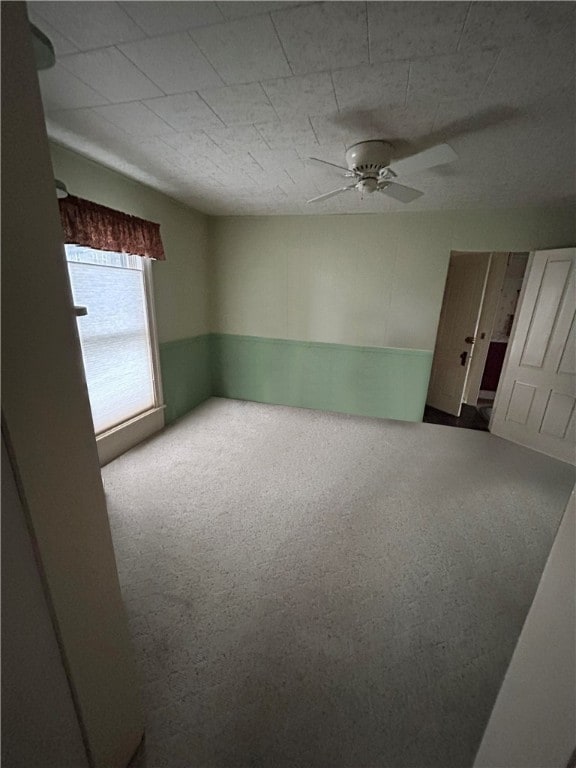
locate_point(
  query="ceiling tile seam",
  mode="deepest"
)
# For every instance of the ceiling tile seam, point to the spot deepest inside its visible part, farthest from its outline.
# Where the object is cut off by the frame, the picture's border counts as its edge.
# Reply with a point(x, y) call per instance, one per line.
point(224, 17)
point(262, 135)
point(256, 161)
point(173, 93)
point(226, 85)
point(175, 149)
point(407, 91)
point(151, 98)
point(112, 45)
point(416, 59)
point(231, 18)
point(269, 102)
point(238, 176)
point(189, 93)
point(202, 54)
point(86, 85)
point(281, 44)
point(92, 114)
point(216, 115)
point(136, 135)
point(209, 139)
point(142, 73)
point(107, 48)
point(285, 172)
point(231, 156)
point(330, 71)
point(73, 74)
point(489, 77)
point(314, 130)
point(461, 35)
point(186, 30)
point(127, 12)
point(95, 48)
point(160, 35)
point(290, 177)
point(190, 34)
point(261, 84)
point(367, 33)
point(119, 103)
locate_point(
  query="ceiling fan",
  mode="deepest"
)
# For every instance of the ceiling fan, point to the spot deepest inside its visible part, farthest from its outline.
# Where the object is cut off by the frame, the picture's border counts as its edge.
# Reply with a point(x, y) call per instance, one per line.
point(371, 166)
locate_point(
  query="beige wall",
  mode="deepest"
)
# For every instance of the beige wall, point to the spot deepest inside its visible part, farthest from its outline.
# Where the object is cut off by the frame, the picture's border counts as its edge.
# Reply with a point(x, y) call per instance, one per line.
point(180, 286)
point(363, 280)
point(533, 721)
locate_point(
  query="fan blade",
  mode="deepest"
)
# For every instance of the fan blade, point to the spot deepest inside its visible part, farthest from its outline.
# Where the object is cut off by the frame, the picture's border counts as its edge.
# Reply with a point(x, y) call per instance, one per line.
point(325, 162)
point(331, 194)
point(438, 155)
point(400, 192)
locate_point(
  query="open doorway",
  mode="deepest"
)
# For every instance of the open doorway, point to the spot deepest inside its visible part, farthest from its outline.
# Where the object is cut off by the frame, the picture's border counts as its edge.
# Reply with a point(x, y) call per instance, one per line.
point(478, 309)
point(490, 358)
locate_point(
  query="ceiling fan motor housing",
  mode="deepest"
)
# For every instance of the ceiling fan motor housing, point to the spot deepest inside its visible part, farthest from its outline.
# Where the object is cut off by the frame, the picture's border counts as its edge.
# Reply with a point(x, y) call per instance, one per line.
point(369, 157)
point(368, 163)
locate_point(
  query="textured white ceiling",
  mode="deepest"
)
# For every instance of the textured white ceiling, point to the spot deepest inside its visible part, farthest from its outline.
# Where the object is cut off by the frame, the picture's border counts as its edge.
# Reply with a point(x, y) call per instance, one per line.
point(220, 104)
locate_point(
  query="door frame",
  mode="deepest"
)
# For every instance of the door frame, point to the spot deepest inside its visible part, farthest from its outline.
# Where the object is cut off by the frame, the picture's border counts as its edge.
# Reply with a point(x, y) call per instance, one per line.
point(472, 345)
point(498, 399)
point(488, 311)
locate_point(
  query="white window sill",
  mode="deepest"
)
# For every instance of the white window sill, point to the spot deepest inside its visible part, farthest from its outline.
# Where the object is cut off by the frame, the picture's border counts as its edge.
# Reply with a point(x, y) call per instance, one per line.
point(120, 439)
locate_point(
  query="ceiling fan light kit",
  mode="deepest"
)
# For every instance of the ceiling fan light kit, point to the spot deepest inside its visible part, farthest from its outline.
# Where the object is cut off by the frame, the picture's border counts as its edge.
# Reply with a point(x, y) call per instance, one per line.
point(370, 163)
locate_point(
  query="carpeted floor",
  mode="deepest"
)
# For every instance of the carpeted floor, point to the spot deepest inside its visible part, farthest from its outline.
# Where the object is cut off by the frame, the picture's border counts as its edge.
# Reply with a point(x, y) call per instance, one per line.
point(313, 590)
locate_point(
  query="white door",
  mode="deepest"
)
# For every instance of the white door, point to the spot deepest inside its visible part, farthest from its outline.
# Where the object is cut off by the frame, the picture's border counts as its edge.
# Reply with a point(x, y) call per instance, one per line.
point(463, 295)
point(536, 396)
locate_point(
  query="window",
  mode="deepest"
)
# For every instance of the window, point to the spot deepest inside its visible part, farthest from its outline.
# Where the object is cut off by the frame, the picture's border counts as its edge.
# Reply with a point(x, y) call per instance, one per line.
point(116, 335)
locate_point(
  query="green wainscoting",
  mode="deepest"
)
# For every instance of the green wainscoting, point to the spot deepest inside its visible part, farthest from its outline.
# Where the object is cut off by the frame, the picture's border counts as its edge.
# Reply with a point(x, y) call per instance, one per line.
point(186, 374)
point(366, 381)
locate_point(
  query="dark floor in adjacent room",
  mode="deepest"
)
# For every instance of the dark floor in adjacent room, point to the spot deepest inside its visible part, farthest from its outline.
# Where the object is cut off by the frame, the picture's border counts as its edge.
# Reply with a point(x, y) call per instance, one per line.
point(470, 418)
point(315, 590)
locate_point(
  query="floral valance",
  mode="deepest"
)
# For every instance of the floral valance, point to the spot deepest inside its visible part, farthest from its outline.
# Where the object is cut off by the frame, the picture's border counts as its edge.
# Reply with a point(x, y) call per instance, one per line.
point(95, 226)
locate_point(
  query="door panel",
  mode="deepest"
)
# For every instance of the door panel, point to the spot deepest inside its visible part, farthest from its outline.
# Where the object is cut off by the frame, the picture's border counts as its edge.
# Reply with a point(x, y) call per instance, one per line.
point(465, 286)
point(535, 405)
point(520, 402)
point(557, 415)
point(568, 359)
point(545, 313)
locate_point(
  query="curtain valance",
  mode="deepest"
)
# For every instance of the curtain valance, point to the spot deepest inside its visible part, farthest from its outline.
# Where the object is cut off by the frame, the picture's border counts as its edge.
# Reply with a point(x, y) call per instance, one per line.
point(95, 226)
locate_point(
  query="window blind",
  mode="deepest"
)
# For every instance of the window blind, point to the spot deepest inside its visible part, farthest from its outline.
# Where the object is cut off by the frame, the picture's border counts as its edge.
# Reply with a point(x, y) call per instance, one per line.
point(114, 335)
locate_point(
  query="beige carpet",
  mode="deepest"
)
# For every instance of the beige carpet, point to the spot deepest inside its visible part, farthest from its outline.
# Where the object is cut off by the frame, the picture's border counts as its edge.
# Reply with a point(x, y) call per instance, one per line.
point(309, 589)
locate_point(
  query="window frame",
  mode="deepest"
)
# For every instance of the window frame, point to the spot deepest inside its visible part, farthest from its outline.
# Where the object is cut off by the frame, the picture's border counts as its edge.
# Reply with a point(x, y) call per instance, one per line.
point(153, 333)
point(118, 439)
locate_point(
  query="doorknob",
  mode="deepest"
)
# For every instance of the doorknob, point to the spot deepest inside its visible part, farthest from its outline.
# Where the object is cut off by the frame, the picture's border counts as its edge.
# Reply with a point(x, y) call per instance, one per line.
point(463, 356)
point(469, 339)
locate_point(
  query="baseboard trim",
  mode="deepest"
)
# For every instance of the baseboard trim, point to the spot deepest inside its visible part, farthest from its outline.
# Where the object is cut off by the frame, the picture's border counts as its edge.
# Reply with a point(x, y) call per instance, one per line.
point(120, 439)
